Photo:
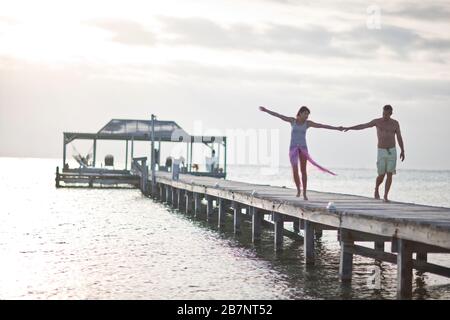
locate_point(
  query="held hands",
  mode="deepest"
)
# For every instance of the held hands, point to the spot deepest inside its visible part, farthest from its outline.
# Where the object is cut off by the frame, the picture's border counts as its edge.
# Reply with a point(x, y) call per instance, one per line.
point(262, 109)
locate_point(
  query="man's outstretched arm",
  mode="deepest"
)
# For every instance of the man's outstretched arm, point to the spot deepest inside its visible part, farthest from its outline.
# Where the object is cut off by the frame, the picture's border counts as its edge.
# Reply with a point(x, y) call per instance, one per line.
point(285, 118)
point(400, 142)
point(370, 124)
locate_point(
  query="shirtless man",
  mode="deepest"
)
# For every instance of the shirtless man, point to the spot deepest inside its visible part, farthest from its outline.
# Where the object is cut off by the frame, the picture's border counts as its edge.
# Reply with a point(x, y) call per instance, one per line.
point(387, 129)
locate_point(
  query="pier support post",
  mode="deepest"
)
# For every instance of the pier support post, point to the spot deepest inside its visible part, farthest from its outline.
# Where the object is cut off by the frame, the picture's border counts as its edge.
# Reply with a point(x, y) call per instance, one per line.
point(237, 217)
point(209, 208)
point(404, 269)
point(197, 204)
point(257, 217)
point(144, 177)
point(178, 195)
point(346, 258)
point(168, 194)
point(188, 198)
point(183, 199)
point(278, 227)
point(222, 213)
point(57, 179)
point(296, 224)
point(155, 192)
point(162, 191)
point(309, 242)
point(174, 197)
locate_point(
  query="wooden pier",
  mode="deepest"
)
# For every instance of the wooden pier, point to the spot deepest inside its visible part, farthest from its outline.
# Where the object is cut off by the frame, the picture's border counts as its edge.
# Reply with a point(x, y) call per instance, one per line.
point(413, 230)
point(410, 228)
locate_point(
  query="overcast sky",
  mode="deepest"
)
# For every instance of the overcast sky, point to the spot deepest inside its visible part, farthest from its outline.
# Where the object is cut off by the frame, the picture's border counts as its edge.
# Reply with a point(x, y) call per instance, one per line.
point(74, 65)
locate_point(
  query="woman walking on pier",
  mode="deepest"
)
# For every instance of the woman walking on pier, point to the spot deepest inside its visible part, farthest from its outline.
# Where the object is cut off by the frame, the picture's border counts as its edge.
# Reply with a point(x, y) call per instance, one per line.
point(298, 149)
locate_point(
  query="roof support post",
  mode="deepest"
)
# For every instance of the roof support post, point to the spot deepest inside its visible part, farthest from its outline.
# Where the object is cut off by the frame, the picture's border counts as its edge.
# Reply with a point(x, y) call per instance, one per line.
point(153, 155)
point(225, 160)
point(126, 155)
point(190, 157)
point(64, 151)
point(95, 152)
point(132, 148)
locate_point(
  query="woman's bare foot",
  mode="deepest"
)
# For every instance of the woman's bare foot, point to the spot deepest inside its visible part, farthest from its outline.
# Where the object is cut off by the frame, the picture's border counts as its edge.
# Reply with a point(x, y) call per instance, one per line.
point(298, 194)
point(386, 199)
point(377, 194)
point(305, 197)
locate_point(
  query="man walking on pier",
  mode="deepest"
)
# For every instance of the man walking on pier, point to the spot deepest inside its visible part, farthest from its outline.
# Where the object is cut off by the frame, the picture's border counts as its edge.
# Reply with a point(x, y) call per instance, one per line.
point(387, 129)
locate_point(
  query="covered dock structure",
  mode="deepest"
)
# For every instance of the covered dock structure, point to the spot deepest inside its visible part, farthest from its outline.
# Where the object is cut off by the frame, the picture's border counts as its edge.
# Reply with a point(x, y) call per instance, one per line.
point(130, 131)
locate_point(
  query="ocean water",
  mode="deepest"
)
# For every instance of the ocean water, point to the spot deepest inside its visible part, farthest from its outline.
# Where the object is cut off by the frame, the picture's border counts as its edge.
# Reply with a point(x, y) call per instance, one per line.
point(117, 244)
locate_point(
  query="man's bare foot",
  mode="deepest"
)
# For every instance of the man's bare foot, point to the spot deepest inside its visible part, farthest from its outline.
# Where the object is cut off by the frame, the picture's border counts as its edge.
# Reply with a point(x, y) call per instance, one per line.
point(377, 194)
point(386, 199)
point(298, 194)
point(305, 197)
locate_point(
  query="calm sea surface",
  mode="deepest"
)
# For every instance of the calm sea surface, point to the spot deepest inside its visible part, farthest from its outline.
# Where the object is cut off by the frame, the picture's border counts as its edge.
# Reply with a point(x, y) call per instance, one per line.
point(116, 244)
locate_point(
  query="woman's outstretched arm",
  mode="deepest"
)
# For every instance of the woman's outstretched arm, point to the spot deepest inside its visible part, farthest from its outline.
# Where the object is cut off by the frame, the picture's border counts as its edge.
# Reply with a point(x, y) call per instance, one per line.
point(312, 124)
point(370, 124)
point(284, 118)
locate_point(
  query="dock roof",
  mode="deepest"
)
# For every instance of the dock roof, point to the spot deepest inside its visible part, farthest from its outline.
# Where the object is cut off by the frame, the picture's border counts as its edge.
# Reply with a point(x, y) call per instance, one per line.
point(141, 130)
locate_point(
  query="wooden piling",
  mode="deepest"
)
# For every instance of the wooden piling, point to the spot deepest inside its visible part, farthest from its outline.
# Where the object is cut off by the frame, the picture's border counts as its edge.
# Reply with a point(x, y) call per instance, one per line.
point(162, 191)
point(257, 218)
point(404, 269)
point(296, 225)
point(168, 194)
point(209, 208)
point(237, 217)
point(188, 198)
point(197, 204)
point(222, 213)
point(57, 179)
point(346, 257)
point(278, 228)
point(309, 242)
point(180, 197)
point(174, 198)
